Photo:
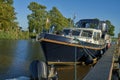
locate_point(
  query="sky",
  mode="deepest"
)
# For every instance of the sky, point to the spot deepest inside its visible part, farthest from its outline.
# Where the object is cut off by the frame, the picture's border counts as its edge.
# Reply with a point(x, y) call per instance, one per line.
point(82, 9)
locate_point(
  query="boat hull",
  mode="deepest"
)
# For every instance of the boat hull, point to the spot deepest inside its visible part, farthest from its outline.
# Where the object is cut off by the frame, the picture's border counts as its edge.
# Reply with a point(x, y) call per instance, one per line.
point(62, 52)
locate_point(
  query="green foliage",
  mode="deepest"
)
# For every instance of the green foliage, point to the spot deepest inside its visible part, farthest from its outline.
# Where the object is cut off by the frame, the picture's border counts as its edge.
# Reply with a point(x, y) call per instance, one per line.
point(7, 20)
point(58, 19)
point(33, 6)
point(8, 26)
point(37, 18)
point(111, 28)
point(40, 19)
point(114, 39)
point(7, 1)
point(70, 22)
point(23, 35)
point(32, 34)
point(14, 34)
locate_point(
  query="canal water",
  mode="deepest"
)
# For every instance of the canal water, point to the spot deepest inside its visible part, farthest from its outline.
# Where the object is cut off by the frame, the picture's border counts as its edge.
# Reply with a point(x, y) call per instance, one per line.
point(17, 55)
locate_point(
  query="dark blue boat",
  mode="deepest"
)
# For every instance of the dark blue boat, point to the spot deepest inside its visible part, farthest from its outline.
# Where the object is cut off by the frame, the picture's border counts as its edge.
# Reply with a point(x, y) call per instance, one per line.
point(74, 44)
point(62, 48)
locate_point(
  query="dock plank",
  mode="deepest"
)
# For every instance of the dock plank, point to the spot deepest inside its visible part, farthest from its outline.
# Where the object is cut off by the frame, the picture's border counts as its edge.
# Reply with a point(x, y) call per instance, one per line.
point(103, 69)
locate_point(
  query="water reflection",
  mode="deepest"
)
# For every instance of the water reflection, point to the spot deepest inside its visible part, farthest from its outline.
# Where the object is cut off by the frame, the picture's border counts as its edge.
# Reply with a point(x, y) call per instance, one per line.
point(19, 58)
point(68, 72)
point(16, 56)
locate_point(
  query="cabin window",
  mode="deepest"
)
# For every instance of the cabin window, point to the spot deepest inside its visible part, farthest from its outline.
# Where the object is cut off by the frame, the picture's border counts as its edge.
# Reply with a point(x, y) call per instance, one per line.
point(96, 36)
point(75, 32)
point(86, 33)
point(66, 31)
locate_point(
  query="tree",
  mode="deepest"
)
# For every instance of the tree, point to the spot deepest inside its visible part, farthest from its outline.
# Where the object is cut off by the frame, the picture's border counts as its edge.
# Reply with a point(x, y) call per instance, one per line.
point(57, 19)
point(37, 18)
point(7, 20)
point(71, 22)
point(40, 19)
point(111, 28)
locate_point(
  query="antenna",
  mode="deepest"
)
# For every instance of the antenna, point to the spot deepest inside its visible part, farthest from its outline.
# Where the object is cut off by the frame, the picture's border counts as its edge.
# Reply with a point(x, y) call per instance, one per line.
point(74, 19)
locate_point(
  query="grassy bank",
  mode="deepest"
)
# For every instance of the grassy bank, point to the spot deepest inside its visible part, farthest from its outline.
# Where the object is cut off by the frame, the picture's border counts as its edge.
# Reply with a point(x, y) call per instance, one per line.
point(114, 39)
point(14, 35)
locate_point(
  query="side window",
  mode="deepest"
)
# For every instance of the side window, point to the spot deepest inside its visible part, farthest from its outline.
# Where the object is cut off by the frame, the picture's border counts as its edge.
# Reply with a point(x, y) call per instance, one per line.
point(86, 33)
point(66, 31)
point(96, 36)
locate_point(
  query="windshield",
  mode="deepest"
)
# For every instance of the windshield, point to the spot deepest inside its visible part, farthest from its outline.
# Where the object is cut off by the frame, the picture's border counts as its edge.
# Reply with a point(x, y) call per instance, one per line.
point(86, 33)
point(76, 32)
point(71, 32)
point(66, 31)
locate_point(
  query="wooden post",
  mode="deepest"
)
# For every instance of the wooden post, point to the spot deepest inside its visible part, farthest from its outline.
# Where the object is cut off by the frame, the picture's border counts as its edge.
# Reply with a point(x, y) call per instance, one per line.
point(119, 45)
point(119, 49)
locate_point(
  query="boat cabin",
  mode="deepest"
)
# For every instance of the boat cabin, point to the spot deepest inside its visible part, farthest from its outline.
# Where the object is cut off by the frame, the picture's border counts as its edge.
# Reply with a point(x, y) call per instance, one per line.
point(83, 34)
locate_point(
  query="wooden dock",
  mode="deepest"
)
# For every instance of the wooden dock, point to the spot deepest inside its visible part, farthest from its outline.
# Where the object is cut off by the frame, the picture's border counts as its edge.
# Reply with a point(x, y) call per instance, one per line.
point(104, 67)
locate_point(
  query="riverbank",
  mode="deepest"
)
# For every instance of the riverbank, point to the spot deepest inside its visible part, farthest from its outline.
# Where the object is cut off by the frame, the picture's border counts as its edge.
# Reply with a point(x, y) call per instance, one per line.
point(14, 35)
